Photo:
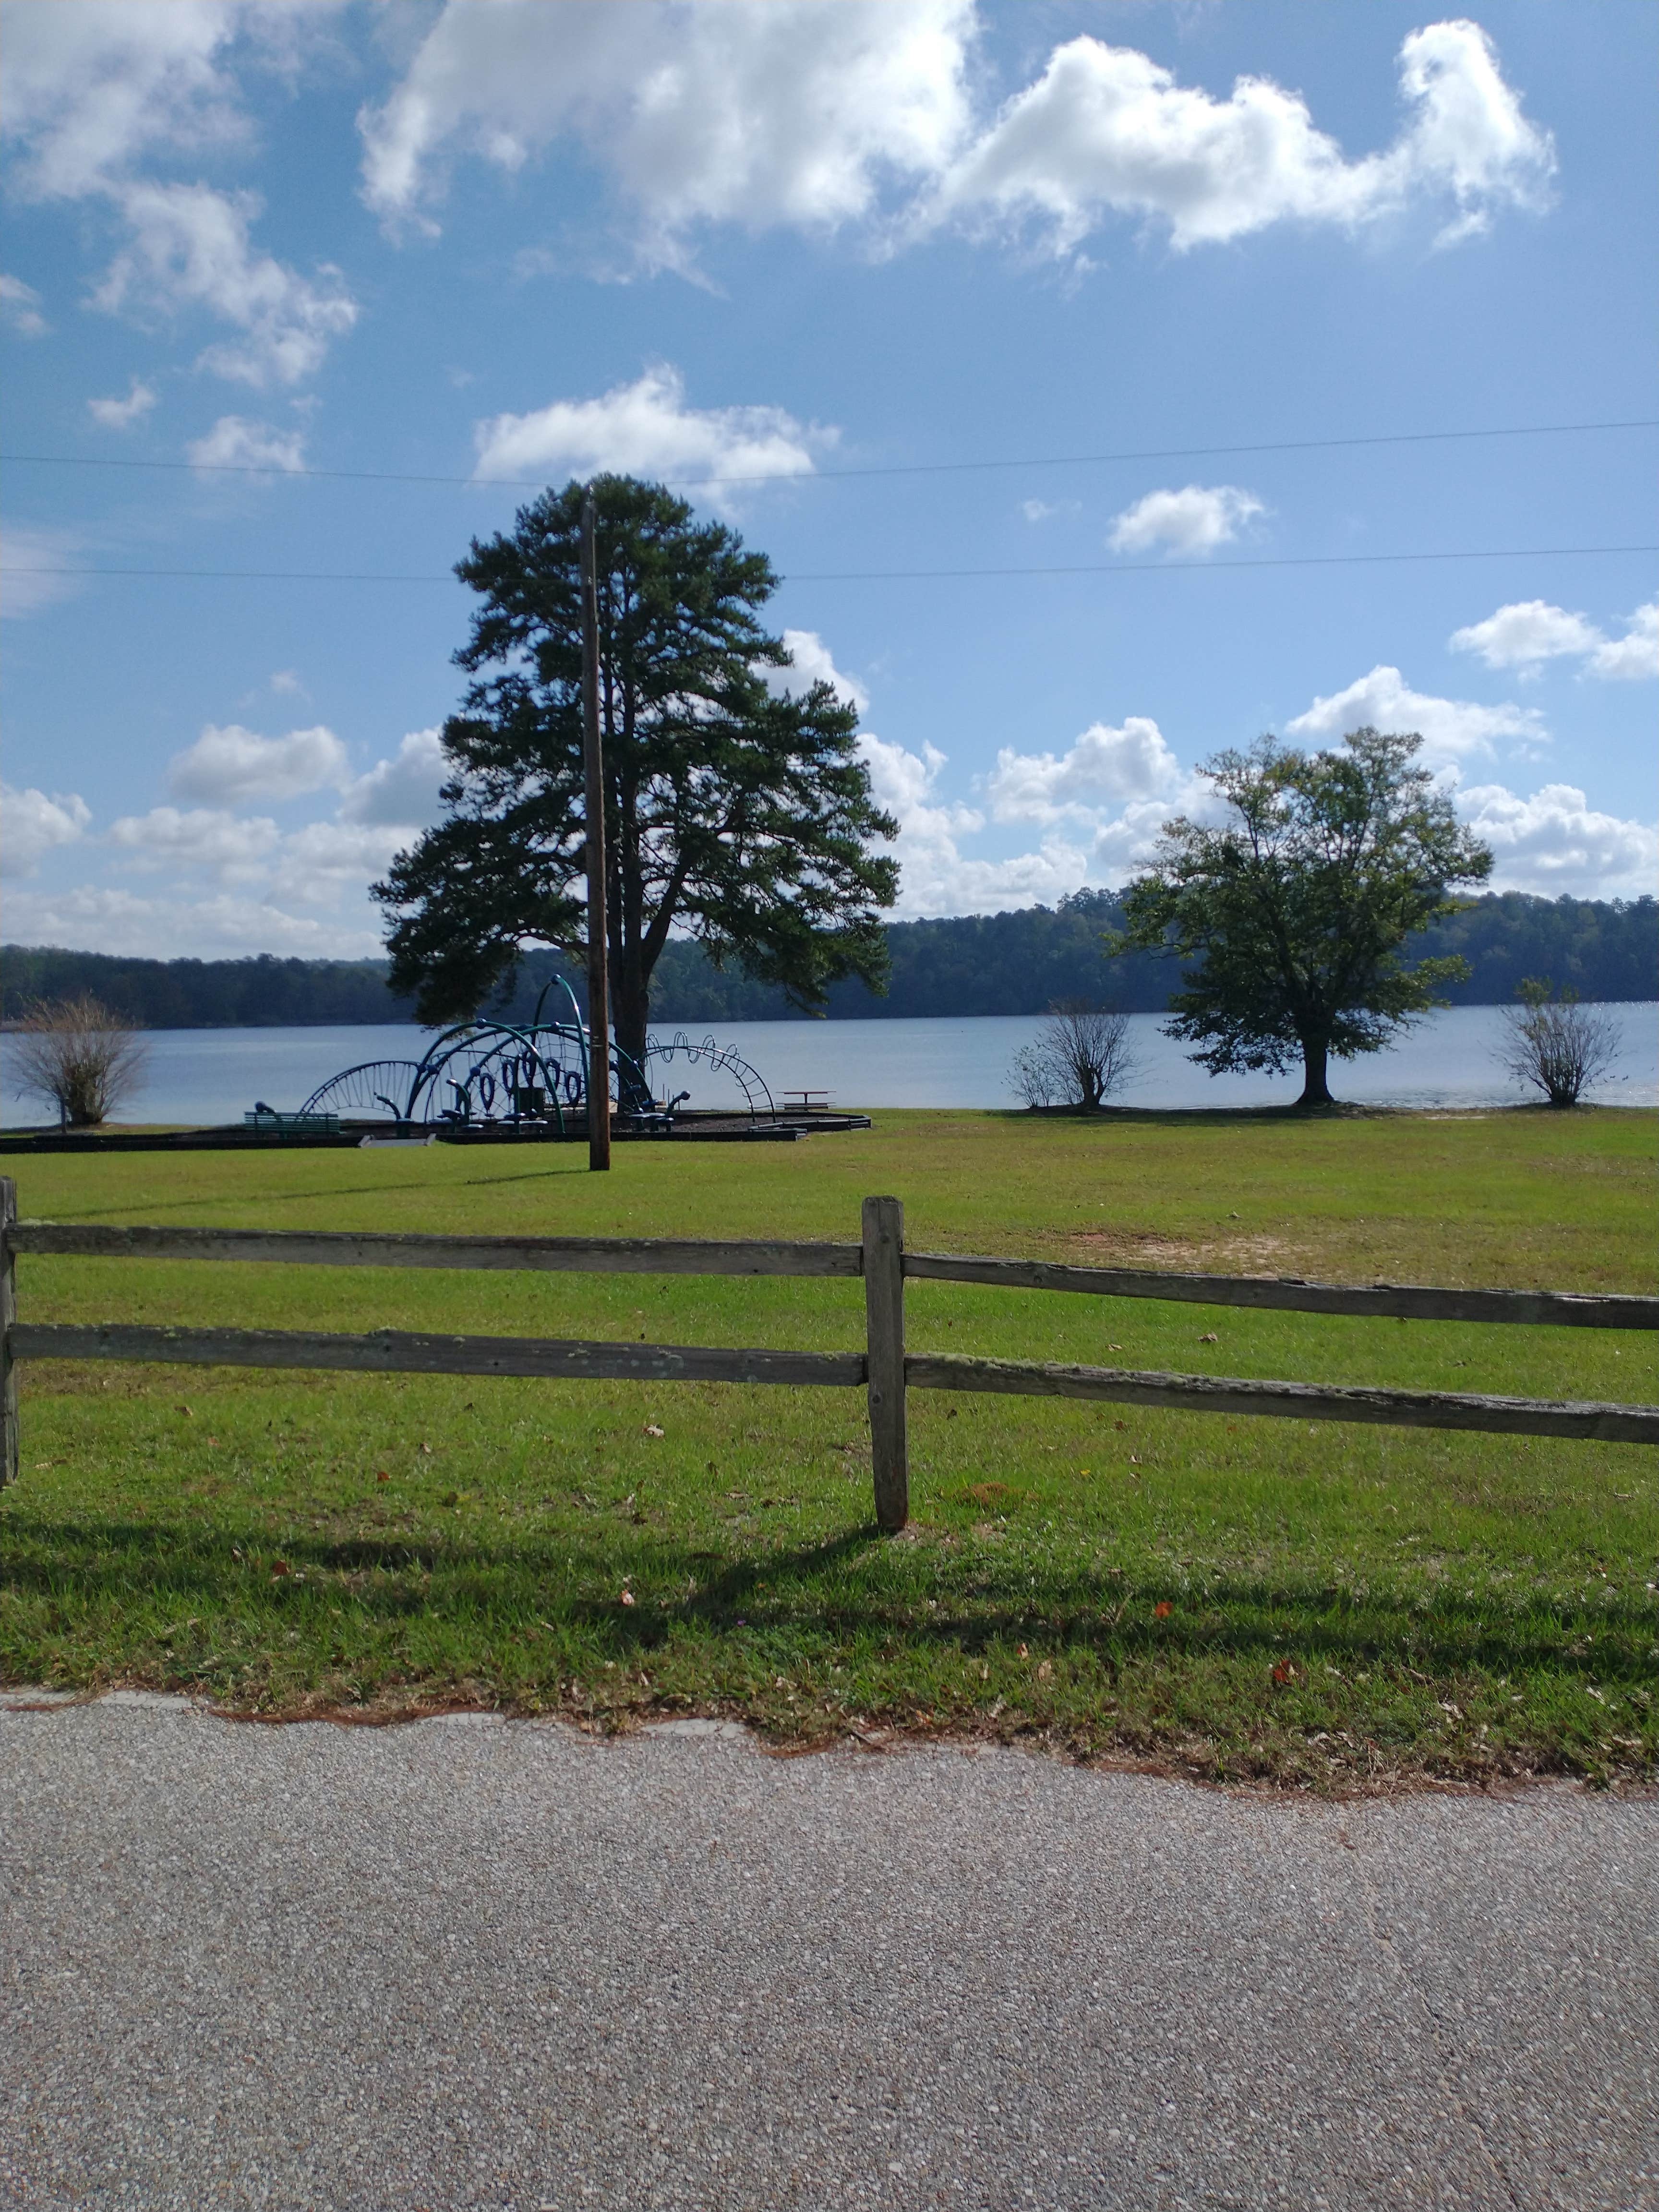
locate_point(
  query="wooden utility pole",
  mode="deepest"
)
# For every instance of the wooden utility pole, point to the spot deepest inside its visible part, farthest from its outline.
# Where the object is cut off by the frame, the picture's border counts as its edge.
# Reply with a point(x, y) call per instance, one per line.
point(599, 993)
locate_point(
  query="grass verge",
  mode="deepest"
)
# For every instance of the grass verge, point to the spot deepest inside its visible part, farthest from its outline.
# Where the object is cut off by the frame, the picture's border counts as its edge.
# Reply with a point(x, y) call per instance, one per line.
point(1236, 1599)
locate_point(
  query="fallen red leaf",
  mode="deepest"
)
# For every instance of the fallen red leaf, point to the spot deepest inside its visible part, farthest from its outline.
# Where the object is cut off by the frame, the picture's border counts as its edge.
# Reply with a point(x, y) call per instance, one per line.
point(1284, 1673)
point(1163, 1609)
point(281, 1567)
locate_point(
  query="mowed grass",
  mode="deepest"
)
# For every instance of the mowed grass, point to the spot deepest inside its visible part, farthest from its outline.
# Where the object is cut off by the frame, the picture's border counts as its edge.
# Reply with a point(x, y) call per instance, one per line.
point(1324, 1606)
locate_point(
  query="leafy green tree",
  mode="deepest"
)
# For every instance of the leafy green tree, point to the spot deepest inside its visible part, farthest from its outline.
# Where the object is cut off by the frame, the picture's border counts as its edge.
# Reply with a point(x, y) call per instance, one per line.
point(735, 814)
point(1295, 906)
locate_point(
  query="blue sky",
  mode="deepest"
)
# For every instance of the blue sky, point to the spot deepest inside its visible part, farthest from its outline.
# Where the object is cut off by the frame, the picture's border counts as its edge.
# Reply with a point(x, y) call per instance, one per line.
point(923, 267)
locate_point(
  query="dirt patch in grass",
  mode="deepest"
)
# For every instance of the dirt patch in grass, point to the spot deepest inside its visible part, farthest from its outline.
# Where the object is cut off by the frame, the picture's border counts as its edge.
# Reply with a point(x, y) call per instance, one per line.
point(1145, 1248)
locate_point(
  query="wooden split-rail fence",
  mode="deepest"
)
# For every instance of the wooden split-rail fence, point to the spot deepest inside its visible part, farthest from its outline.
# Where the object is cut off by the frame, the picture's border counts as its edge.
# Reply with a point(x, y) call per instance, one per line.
point(884, 1369)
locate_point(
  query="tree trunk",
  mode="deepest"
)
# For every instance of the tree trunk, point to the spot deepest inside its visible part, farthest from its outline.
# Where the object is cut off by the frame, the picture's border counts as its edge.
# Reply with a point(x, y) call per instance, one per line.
point(630, 1009)
point(1316, 1090)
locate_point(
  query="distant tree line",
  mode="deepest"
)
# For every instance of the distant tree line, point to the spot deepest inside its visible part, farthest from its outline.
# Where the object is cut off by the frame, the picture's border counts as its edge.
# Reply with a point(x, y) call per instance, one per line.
point(1021, 962)
point(1025, 962)
point(264, 992)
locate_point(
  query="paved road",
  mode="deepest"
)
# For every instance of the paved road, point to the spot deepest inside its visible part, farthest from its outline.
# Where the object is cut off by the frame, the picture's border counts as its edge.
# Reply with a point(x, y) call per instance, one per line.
point(496, 1965)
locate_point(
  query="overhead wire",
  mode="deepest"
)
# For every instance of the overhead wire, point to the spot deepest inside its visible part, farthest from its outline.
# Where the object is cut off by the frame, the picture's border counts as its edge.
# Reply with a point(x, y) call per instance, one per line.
point(270, 469)
point(883, 575)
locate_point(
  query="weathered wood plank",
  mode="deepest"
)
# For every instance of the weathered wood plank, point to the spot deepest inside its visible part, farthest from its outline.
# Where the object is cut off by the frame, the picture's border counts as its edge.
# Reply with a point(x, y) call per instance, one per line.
point(1407, 1302)
point(394, 1351)
point(383, 1248)
point(884, 1309)
point(1304, 1401)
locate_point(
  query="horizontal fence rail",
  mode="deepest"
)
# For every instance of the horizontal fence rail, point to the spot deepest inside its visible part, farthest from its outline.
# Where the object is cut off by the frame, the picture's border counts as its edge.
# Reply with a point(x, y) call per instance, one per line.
point(400, 1351)
point(334, 1248)
point(882, 1369)
point(1303, 1401)
point(1293, 1294)
point(397, 1352)
point(668, 1256)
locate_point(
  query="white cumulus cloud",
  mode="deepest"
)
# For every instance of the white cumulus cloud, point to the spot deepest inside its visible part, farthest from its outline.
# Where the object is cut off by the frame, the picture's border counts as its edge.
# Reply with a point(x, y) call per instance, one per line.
point(228, 764)
point(191, 246)
point(230, 846)
point(1107, 131)
point(1636, 653)
point(1451, 729)
point(1529, 632)
point(1193, 520)
point(105, 918)
point(32, 825)
point(812, 662)
point(122, 414)
point(19, 307)
point(645, 429)
point(401, 792)
point(936, 875)
point(832, 112)
point(234, 442)
point(92, 88)
point(1106, 766)
point(322, 862)
point(746, 113)
point(96, 90)
point(1555, 842)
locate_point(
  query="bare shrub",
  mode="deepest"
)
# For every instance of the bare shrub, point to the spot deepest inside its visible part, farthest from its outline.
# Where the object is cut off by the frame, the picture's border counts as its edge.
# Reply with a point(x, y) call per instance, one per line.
point(77, 1055)
point(1080, 1057)
point(1556, 1045)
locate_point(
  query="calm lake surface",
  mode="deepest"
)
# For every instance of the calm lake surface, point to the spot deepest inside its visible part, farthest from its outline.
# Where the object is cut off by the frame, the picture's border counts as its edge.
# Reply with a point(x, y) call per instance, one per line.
point(1449, 1060)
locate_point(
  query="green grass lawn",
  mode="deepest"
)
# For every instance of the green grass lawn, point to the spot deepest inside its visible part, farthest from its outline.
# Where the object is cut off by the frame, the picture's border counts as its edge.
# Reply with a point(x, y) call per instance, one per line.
point(1229, 1597)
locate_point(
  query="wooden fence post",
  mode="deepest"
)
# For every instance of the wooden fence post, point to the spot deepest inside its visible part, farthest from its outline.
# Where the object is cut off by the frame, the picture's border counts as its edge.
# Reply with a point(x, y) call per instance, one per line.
point(884, 1309)
point(7, 1316)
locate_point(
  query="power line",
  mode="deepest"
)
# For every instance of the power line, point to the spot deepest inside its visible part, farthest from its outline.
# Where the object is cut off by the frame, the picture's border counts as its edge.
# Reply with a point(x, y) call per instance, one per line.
point(1162, 568)
point(829, 476)
point(887, 575)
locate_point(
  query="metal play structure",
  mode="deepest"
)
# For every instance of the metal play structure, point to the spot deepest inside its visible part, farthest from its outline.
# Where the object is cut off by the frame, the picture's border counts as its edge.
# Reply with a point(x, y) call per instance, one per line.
point(481, 1073)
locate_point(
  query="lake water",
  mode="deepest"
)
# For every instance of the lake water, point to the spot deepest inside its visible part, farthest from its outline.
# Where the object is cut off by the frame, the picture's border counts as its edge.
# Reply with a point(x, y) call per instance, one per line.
point(1449, 1060)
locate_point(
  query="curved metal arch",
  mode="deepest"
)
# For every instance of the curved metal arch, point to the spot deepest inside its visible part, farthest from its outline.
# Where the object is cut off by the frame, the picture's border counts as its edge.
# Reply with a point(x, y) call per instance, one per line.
point(560, 981)
point(520, 1054)
point(722, 1060)
point(370, 1084)
point(556, 1052)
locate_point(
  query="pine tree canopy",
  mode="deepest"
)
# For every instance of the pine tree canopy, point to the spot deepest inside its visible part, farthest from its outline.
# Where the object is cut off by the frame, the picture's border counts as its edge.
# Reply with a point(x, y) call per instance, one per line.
point(739, 813)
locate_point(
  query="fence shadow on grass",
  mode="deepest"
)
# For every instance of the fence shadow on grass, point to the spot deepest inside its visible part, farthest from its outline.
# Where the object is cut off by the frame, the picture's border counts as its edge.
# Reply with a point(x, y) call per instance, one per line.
point(107, 1584)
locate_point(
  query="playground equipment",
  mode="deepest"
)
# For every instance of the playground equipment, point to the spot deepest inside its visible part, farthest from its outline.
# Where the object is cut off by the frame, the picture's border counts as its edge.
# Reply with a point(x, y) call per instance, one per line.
point(498, 1073)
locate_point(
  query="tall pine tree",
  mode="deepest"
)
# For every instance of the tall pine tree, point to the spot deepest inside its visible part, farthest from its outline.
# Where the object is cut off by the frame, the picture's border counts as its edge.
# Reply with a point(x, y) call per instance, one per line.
point(736, 812)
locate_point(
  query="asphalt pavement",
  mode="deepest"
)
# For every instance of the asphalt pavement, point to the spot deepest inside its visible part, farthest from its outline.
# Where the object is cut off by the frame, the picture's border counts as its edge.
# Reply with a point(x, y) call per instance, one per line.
point(495, 1964)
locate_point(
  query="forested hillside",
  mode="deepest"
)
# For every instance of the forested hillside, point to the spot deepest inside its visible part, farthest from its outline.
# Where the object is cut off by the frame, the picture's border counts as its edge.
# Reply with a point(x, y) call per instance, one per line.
point(1020, 963)
point(1003, 963)
point(265, 992)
